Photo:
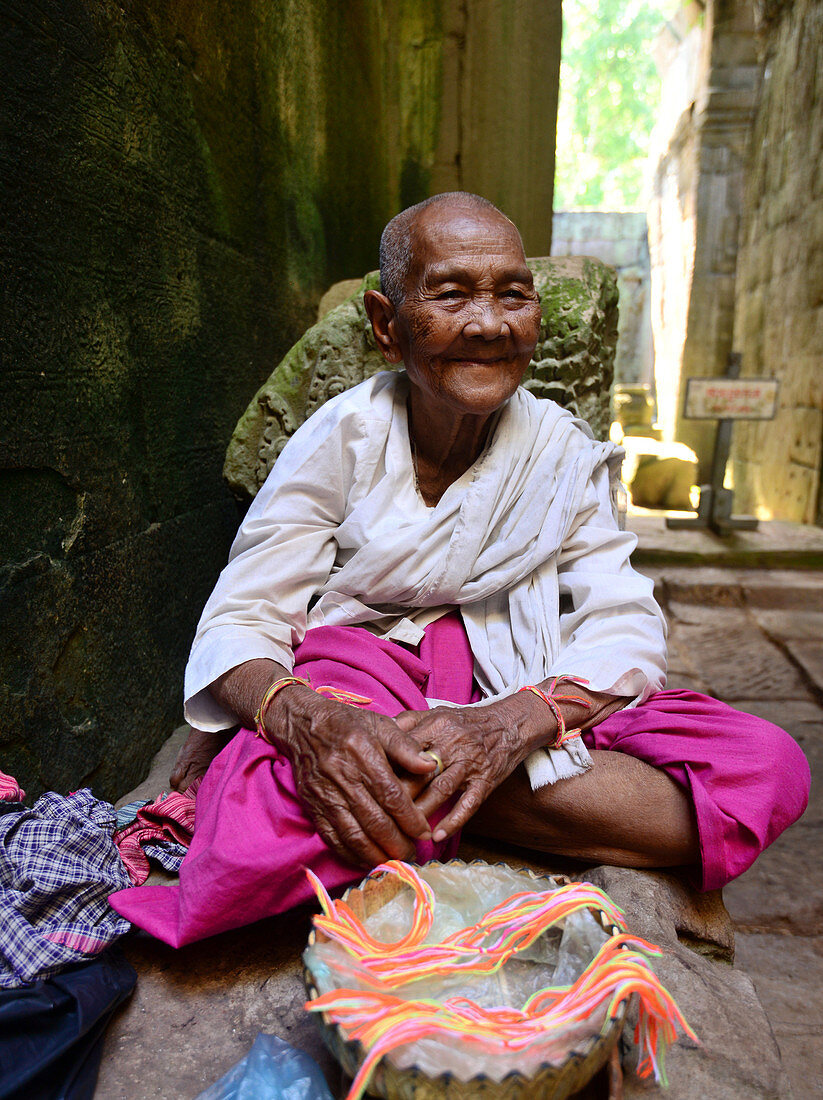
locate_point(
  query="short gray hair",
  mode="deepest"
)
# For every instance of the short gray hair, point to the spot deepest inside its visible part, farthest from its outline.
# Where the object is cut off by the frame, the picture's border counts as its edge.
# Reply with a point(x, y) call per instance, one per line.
point(396, 241)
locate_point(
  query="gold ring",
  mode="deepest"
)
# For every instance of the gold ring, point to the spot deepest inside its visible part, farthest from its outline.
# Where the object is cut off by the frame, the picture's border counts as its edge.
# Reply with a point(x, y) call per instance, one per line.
point(438, 761)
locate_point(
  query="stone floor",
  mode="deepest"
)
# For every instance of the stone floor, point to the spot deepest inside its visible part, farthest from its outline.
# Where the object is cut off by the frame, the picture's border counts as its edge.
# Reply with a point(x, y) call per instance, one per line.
point(754, 638)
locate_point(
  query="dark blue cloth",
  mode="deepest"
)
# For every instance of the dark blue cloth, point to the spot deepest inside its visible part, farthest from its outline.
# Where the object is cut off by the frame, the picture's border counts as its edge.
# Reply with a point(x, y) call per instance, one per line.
point(51, 1032)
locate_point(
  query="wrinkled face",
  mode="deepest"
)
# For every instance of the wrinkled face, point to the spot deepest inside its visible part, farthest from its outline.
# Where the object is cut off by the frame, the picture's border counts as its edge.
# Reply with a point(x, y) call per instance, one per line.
point(471, 316)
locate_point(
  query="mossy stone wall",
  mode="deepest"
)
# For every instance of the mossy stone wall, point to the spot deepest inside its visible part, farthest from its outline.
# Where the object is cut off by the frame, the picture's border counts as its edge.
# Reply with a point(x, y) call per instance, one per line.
point(778, 464)
point(180, 182)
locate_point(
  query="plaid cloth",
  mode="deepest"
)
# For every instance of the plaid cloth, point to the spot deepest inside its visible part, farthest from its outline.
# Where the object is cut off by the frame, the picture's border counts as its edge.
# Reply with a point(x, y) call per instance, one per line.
point(58, 864)
point(126, 814)
point(168, 853)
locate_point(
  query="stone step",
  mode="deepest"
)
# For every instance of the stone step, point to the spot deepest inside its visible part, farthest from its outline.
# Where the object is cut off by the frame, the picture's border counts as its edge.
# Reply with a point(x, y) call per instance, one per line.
point(773, 545)
point(774, 589)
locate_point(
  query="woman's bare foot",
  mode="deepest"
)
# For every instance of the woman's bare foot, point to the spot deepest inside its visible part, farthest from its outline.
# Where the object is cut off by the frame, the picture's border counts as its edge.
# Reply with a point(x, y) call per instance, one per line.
point(198, 751)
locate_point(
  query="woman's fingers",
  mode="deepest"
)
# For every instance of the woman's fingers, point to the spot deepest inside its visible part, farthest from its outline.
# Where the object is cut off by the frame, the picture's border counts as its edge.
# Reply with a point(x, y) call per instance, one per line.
point(369, 752)
point(403, 748)
point(466, 807)
point(441, 789)
point(344, 836)
point(341, 758)
point(197, 753)
point(477, 751)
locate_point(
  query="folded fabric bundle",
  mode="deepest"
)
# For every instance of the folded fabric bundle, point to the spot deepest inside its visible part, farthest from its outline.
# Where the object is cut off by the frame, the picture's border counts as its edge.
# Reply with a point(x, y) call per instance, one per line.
point(161, 830)
point(58, 864)
point(51, 1032)
point(10, 789)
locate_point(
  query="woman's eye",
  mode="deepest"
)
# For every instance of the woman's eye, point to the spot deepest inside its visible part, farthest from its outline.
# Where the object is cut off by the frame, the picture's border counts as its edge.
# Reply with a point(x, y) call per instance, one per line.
point(449, 295)
point(512, 292)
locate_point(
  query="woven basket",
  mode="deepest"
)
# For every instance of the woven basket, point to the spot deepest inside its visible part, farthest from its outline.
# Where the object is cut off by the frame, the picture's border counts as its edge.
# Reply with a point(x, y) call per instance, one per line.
point(549, 1082)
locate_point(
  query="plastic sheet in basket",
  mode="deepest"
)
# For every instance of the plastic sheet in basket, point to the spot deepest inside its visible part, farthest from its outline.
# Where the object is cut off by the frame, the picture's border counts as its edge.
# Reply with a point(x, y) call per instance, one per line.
point(476, 974)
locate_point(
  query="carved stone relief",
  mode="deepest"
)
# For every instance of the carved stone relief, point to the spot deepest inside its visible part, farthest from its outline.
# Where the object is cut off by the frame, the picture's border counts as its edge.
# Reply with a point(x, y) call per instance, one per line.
point(573, 363)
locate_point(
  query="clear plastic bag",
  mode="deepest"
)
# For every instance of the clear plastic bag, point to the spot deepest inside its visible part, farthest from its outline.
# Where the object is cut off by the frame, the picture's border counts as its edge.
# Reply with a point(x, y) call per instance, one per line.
point(272, 1070)
point(558, 957)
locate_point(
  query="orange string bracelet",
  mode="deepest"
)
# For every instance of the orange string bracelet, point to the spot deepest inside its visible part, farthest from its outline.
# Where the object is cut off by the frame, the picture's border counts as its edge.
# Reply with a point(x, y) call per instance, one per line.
point(326, 690)
point(269, 694)
point(550, 698)
point(343, 696)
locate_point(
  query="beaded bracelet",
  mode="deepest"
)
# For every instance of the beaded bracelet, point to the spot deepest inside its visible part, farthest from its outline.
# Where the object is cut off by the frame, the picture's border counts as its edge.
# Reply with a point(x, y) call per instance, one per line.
point(549, 698)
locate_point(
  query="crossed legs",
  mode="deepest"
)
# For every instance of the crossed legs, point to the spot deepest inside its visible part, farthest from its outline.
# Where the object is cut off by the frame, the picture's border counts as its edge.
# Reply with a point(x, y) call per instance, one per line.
point(622, 811)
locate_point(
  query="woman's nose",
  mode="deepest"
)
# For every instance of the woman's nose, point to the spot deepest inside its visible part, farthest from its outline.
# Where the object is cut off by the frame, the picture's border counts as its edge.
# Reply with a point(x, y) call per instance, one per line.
point(487, 319)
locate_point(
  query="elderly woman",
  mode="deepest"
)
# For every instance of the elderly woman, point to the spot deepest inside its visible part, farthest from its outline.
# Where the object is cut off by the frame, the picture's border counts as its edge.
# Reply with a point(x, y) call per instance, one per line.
point(431, 590)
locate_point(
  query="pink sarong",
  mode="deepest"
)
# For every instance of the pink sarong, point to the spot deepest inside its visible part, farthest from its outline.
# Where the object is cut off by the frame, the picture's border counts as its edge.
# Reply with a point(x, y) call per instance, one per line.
point(253, 839)
point(748, 779)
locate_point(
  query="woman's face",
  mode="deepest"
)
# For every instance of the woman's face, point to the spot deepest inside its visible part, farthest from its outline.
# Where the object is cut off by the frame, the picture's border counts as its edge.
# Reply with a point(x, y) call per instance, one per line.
point(470, 319)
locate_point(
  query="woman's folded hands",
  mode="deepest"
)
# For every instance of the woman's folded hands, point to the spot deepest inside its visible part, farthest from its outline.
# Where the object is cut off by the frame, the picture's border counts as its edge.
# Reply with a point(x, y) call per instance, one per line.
point(479, 748)
point(370, 782)
point(357, 773)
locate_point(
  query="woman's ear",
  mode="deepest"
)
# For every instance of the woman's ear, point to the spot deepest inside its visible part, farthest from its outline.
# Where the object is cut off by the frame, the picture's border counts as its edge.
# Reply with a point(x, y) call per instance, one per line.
point(383, 319)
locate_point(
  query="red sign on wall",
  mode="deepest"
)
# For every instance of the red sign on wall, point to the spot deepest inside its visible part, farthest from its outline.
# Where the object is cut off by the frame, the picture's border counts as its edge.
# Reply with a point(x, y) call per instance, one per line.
point(731, 399)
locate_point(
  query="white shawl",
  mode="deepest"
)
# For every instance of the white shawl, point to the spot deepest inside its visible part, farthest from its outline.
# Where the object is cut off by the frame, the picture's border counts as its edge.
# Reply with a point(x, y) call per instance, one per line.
point(536, 502)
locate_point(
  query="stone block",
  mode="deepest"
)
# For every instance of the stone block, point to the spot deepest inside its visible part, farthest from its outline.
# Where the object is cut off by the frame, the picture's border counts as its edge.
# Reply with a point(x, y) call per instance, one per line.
point(732, 657)
point(196, 1011)
point(788, 975)
point(658, 474)
point(663, 482)
point(805, 383)
point(738, 1056)
point(94, 647)
point(782, 192)
point(336, 295)
point(708, 615)
point(783, 891)
point(782, 625)
point(809, 655)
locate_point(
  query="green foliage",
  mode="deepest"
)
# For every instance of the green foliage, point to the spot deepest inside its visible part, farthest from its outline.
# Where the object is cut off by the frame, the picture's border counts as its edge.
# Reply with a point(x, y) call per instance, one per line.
point(609, 92)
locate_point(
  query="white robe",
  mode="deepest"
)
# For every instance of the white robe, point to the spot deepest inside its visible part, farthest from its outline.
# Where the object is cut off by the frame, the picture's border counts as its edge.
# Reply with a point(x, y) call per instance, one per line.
point(525, 543)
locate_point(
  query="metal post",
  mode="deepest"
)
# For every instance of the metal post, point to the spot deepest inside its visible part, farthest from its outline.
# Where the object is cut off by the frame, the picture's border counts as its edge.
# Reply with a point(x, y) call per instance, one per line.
point(715, 507)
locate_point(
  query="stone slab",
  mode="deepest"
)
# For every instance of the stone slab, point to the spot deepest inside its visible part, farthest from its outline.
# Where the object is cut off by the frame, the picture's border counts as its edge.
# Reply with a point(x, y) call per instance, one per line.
point(799, 590)
point(196, 1011)
point(809, 655)
point(708, 614)
point(803, 718)
point(788, 974)
point(738, 1055)
point(774, 544)
point(782, 624)
point(783, 891)
point(717, 586)
point(735, 660)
